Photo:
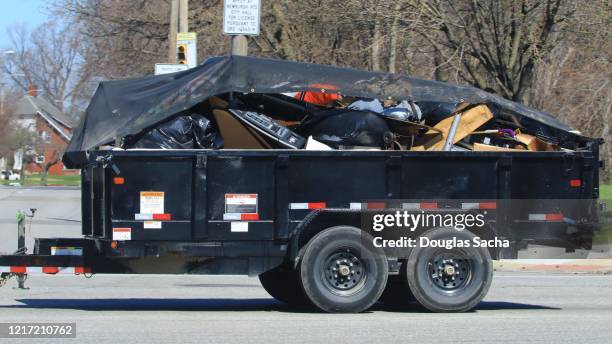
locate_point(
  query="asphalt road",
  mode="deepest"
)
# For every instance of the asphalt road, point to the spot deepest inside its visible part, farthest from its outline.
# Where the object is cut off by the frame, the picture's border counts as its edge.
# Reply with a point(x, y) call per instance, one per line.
point(144, 309)
point(536, 308)
point(58, 214)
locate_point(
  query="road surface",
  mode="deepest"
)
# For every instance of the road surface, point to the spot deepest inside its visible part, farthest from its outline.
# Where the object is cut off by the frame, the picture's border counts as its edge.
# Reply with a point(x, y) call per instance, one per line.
point(521, 307)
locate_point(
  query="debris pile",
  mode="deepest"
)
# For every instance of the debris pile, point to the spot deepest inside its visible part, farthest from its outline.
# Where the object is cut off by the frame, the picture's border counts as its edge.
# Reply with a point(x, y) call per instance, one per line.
point(330, 121)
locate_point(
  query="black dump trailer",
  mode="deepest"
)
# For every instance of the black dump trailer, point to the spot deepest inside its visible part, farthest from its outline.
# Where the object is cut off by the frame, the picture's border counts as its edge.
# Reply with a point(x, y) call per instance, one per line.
point(304, 220)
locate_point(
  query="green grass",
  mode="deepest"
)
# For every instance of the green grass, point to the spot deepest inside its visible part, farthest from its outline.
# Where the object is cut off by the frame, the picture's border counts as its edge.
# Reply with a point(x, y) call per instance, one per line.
point(35, 179)
point(605, 191)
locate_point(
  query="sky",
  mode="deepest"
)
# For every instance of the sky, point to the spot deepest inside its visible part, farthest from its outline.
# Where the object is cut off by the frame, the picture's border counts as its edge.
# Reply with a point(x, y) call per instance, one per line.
point(29, 12)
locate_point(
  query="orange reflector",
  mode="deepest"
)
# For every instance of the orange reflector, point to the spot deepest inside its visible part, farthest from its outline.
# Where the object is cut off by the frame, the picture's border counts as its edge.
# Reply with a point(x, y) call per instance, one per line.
point(376, 205)
point(18, 269)
point(554, 217)
point(429, 205)
point(487, 205)
point(317, 205)
point(162, 217)
point(119, 180)
point(249, 217)
point(114, 245)
point(575, 183)
point(50, 270)
point(81, 270)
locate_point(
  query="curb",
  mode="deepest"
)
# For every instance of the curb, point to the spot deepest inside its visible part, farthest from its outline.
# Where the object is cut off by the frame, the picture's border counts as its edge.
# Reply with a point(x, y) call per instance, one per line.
point(590, 266)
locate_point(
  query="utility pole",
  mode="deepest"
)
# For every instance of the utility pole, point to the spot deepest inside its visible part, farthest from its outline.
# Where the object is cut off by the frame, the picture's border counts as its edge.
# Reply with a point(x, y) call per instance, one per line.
point(183, 15)
point(240, 45)
point(174, 14)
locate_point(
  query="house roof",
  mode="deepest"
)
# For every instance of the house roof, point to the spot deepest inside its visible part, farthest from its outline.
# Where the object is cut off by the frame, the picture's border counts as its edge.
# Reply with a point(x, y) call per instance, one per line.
point(29, 105)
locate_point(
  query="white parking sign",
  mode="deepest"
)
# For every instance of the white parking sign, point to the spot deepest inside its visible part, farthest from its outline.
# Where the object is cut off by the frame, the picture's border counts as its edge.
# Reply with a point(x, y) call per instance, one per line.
point(241, 17)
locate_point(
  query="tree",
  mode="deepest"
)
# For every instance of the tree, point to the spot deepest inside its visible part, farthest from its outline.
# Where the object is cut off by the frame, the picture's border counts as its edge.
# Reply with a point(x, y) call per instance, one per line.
point(54, 58)
point(498, 42)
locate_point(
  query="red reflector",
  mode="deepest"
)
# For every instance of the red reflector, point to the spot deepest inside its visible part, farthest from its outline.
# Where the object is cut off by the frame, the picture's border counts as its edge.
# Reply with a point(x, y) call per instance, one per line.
point(249, 217)
point(118, 180)
point(575, 183)
point(431, 205)
point(488, 205)
point(554, 217)
point(317, 205)
point(50, 270)
point(81, 270)
point(162, 217)
point(18, 269)
point(376, 205)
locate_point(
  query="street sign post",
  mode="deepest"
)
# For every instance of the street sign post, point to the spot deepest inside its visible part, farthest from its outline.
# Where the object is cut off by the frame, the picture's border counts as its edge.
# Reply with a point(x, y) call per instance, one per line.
point(167, 68)
point(241, 17)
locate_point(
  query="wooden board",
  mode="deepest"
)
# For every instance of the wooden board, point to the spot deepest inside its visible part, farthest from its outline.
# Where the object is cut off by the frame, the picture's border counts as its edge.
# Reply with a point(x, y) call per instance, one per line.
point(471, 120)
point(481, 147)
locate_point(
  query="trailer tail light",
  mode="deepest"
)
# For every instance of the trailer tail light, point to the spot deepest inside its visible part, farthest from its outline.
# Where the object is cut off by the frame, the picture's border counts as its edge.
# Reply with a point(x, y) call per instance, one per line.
point(575, 183)
point(118, 180)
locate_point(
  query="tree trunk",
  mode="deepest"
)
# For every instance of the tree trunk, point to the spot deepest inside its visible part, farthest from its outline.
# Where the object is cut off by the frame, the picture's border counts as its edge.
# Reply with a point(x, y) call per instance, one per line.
point(393, 43)
point(376, 47)
point(43, 176)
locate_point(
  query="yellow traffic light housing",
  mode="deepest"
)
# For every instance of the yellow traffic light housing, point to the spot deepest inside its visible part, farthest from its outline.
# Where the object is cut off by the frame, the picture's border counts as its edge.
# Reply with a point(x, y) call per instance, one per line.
point(181, 53)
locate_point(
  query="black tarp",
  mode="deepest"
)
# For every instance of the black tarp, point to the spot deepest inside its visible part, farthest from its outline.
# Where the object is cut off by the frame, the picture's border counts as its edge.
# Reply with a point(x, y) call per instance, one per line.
point(126, 107)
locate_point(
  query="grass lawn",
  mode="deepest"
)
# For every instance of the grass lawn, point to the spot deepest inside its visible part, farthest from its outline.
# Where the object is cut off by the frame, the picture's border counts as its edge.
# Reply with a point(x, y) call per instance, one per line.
point(605, 191)
point(35, 179)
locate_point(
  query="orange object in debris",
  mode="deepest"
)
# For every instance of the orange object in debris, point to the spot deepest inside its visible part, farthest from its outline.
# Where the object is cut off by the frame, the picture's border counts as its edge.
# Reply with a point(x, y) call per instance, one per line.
point(318, 98)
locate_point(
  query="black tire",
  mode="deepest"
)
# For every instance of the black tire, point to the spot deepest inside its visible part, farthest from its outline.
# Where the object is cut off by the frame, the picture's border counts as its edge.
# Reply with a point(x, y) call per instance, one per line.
point(283, 284)
point(431, 283)
point(360, 271)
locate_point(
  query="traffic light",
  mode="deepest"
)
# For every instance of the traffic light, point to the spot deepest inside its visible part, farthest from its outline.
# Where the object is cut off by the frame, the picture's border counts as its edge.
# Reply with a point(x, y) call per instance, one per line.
point(181, 55)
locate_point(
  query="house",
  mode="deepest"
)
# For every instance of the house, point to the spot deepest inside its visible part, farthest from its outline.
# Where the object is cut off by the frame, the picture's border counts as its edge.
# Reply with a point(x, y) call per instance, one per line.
point(52, 129)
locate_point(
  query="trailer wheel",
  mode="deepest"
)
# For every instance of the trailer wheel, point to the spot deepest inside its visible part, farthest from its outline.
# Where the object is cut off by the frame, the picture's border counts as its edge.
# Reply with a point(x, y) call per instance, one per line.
point(449, 280)
point(283, 284)
point(341, 271)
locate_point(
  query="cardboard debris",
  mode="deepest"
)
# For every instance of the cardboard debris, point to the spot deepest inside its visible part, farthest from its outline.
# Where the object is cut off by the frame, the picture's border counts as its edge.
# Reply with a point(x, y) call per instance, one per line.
point(535, 144)
point(471, 120)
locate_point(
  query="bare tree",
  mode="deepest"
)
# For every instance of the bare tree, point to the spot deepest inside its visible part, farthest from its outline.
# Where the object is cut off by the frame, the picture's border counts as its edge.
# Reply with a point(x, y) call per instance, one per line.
point(498, 43)
point(52, 58)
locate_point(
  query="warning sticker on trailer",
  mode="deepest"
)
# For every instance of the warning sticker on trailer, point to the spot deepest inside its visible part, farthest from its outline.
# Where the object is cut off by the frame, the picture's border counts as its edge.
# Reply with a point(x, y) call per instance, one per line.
point(152, 224)
point(241, 203)
point(122, 234)
point(151, 202)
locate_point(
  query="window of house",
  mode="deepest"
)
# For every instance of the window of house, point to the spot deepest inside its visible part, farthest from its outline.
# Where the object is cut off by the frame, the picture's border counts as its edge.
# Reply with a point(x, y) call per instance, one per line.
point(44, 136)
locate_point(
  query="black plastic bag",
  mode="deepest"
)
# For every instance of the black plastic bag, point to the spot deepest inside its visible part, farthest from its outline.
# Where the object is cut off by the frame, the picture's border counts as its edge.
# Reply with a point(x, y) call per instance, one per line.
point(183, 132)
point(341, 127)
